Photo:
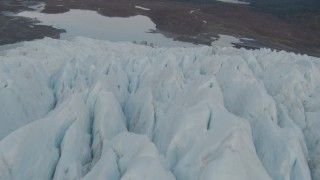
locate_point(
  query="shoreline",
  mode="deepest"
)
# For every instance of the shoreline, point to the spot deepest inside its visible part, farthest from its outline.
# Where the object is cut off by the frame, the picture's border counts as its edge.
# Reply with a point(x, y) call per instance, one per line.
point(184, 22)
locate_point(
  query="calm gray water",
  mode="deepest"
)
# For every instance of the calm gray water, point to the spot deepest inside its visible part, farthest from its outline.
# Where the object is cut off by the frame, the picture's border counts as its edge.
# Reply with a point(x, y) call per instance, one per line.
point(91, 24)
point(10, 46)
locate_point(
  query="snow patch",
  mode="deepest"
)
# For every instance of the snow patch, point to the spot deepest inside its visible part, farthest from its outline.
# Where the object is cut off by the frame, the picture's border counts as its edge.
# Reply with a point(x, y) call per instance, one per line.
point(143, 8)
point(234, 1)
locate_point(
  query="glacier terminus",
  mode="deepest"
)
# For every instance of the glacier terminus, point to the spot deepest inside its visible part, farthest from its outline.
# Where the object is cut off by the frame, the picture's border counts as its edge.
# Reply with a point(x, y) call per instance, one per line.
point(91, 109)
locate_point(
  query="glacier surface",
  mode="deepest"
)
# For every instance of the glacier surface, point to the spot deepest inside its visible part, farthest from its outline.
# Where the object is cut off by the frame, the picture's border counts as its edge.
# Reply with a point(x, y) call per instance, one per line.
point(89, 109)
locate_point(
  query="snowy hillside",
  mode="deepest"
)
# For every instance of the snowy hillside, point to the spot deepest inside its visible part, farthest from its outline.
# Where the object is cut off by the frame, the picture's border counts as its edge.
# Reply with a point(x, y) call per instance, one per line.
point(89, 109)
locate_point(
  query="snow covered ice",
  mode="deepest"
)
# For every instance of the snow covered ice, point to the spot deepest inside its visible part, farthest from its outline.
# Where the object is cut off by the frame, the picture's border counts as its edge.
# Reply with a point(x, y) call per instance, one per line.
point(89, 109)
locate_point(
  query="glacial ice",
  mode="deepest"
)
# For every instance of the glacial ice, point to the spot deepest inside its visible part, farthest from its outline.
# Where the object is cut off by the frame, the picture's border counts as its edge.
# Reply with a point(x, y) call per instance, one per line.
point(90, 109)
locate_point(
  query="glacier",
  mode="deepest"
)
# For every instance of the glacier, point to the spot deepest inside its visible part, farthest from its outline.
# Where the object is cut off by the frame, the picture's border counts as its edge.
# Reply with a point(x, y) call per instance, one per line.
point(91, 109)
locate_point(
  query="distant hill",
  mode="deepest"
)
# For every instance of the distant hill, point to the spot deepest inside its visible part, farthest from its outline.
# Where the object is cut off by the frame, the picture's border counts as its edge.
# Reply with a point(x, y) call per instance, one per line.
point(285, 8)
point(281, 8)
